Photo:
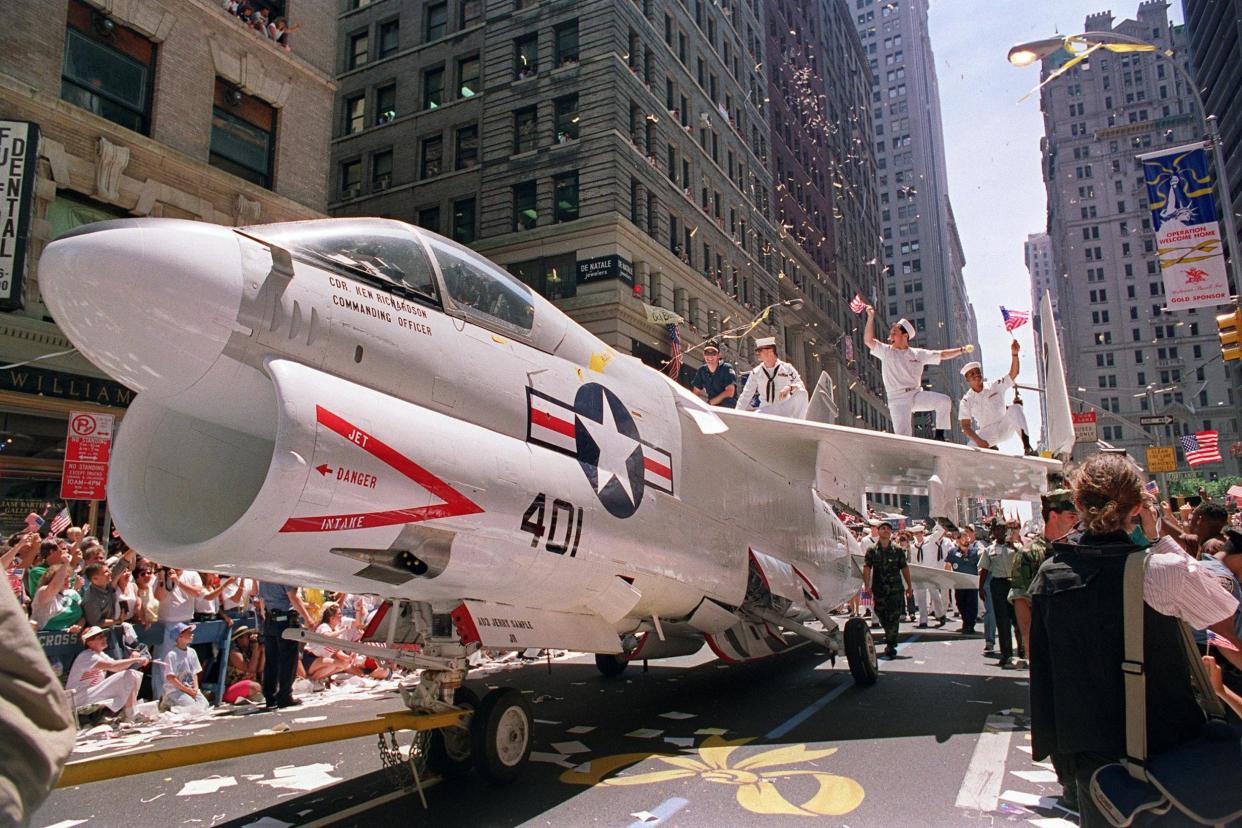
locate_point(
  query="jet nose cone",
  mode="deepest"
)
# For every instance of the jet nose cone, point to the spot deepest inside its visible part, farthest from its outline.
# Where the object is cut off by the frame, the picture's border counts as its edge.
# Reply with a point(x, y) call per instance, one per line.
point(150, 301)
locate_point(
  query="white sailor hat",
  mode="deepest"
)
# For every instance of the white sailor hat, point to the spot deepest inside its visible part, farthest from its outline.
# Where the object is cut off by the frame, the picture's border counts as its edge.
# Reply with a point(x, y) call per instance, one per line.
point(765, 342)
point(907, 326)
point(970, 366)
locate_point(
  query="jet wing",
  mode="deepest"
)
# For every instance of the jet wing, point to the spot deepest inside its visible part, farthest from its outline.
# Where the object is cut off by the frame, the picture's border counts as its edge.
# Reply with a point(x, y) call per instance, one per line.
point(933, 576)
point(845, 462)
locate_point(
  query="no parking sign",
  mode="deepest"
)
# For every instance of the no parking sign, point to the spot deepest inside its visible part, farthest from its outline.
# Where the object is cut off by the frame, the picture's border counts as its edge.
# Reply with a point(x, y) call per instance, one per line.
point(88, 448)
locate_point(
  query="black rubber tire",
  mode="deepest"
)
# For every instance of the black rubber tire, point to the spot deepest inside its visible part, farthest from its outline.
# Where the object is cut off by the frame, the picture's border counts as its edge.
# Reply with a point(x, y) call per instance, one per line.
point(501, 733)
point(860, 652)
point(451, 756)
point(610, 665)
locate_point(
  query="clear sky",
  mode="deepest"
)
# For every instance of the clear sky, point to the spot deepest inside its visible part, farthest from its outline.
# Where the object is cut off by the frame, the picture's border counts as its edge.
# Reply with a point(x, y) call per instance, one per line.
point(992, 150)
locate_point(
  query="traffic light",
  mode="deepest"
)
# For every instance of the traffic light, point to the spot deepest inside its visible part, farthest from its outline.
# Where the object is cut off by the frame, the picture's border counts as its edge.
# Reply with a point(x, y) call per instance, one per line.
point(1230, 325)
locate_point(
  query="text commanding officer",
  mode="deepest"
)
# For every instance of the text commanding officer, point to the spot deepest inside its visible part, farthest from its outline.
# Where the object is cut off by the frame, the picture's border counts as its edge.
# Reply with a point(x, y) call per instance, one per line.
point(884, 569)
point(984, 402)
point(777, 383)
point(999, 559)
point(715, 381)
point(901, 368)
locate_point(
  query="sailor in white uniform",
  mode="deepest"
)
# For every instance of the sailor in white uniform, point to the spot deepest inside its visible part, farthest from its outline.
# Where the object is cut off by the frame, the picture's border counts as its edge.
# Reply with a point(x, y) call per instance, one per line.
point(777, 383)
point(985, 404)
point(901, 368)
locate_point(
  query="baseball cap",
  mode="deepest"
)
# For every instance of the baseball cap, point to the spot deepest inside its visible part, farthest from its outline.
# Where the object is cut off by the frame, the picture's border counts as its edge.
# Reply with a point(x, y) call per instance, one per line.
point(1058, 500)
point(181, 627)
point(91, 632)
point(711, 347)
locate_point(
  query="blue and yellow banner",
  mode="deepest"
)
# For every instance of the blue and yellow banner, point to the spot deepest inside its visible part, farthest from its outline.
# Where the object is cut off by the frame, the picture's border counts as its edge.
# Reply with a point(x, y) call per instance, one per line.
point(1183, 214)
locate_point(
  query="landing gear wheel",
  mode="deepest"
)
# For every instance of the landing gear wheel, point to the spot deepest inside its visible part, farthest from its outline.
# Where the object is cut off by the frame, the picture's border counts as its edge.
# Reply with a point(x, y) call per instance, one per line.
point(449, 749)
point(611, 665)
point(860, 652)
point(500, 735)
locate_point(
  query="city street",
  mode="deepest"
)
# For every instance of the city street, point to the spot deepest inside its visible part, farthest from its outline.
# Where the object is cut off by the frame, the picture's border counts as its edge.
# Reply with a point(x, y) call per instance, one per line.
point(941, 740)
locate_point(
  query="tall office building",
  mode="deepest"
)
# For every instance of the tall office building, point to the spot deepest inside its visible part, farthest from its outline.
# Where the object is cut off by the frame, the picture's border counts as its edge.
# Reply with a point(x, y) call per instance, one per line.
point(1038, 254)
point(164, 108)
point(825, 195)
point(923, 254)
point(1125, 353)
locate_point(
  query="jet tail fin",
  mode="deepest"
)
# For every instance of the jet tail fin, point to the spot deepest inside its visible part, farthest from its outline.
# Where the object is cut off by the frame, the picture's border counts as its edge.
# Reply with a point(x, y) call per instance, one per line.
point(823, 406)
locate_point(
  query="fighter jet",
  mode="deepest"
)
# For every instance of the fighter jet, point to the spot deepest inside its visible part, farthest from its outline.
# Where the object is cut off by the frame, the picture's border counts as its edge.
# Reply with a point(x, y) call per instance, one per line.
point(368, 406)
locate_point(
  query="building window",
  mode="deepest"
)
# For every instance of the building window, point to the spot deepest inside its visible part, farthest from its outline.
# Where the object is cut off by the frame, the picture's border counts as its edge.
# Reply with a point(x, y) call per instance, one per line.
point(467, 150)
point(566, 118)
point(436, 25)
point(389, 37)
point(243, 134)
point(351, 179)
point(429, 217)
point(565, 196)
point(381, 170)
point(471, 13)
point(525, 209)
point(525, 129)
point(355, 114)
point(463, 221)
point(566, 47)
point(433, 88)
point(111, 75)
point(432, 157)
point(526, 56)
point(468, 77)
point(554, 276)
point(385, 104)
point(358, 47)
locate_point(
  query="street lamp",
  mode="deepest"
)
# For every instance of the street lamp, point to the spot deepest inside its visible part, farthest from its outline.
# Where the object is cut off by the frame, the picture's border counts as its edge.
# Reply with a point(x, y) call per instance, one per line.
point(1024, 54)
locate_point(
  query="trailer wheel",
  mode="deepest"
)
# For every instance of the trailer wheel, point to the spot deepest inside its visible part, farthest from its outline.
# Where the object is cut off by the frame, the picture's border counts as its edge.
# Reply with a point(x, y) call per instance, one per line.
point(500, 732)
point(610, 665)
point(449, 748)
point(860, 652)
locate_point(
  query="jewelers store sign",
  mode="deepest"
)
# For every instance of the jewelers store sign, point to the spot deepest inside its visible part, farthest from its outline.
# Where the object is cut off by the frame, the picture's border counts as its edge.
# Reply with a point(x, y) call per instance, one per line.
point(19, 150)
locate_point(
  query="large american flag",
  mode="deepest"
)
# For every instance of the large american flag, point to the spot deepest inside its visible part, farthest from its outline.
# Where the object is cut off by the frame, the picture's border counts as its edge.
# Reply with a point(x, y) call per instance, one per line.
point(60, 523)
point(1200, 448)
point(674, 362)
point(857, 305)
point(1014, 319)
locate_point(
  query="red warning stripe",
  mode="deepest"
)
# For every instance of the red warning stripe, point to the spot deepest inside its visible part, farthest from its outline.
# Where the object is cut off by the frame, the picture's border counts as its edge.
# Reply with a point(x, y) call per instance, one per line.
point(455, 503)
point(546, 420)
point(658, 468)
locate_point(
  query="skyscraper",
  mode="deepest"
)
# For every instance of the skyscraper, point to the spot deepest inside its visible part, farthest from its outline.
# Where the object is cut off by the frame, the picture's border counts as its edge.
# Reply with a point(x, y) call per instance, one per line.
point(923, 255)
point(1038, 255)
point(1125, 353)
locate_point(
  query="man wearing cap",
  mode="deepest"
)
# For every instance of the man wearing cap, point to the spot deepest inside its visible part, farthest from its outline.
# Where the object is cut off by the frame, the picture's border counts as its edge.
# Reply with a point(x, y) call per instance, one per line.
point(964, 558)
point(282, 609)
point(715, 381)
point(929, 551)
point(777, 383)
point(884, 569)
point(90, 683)
point(985, 404)
point(902, 370)
point(997, 563)
point(1060, 517)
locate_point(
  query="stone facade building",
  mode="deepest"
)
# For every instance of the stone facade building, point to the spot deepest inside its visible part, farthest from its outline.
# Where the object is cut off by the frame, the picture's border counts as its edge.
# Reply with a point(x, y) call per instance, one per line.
point(141, 108)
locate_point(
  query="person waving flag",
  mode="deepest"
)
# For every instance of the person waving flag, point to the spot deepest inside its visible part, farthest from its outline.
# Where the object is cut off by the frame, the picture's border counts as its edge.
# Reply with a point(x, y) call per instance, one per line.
point(1014, 319)
point(857, 305)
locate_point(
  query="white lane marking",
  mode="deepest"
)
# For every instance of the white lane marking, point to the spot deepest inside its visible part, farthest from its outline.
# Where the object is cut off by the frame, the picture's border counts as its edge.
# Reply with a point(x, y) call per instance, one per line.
point(981, 786)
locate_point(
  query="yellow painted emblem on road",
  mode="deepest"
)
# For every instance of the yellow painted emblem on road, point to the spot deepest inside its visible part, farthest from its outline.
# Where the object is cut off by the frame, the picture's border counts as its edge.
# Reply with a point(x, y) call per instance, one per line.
point(756, 777)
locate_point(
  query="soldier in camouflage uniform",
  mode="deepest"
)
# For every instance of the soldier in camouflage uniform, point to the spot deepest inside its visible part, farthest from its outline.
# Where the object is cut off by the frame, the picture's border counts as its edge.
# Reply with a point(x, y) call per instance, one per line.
point(884, 570)
point(1059, 518)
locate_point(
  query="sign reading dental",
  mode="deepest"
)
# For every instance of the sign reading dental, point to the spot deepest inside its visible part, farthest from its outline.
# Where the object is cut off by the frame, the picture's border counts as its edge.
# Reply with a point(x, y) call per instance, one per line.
point(19, 151)
point(1183, 213)
point(88, 448)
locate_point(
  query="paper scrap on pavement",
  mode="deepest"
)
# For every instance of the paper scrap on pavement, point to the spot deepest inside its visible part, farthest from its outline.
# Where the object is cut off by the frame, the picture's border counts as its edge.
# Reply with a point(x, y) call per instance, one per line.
point(303, 778)
point(645, 816)
point(550, 758)
point(67, 823)
point(268, 731)
point(680, 741)
point(710, 731)
point(1053, 822)
point(585, 767)
point(1038, 776)
point(210, 785)
point(645, 733)
point(1024, 748)
point(1034, 800)
point(546, 722)
point(309, 719)
point(674, 714)
point(268, 822)
point(570, 747)
point(578, 730)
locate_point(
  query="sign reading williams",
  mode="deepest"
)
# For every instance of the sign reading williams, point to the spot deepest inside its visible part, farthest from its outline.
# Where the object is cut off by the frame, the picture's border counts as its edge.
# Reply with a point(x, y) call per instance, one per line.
point(605, 267)
point(19, 152)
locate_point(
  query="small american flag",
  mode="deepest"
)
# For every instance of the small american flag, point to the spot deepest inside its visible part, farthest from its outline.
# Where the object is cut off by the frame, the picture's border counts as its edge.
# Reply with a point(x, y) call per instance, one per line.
point(1220, 642)
point(1151, 487)
point(857, 305)
point(1200, 448)
point(60, 523)
point(674, 362)
point(1014, 319)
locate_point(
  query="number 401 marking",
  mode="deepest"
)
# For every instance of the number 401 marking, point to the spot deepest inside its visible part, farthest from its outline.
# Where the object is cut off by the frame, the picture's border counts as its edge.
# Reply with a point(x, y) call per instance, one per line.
point(533, 521)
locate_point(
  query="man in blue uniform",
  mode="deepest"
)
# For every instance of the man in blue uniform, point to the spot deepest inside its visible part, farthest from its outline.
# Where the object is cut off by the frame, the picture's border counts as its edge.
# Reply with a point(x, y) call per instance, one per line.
point(282, 609)
point(716, 381)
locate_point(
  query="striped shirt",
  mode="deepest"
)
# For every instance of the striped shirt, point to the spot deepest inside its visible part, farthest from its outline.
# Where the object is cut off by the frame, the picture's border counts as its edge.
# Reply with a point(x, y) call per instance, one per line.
point(1177, 585)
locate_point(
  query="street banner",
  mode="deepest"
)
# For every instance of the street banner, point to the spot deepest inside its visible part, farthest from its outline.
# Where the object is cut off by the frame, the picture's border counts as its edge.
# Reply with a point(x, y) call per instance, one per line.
point(1161, 459)
point(661, 316)
point(1084, 427)
point(1183, 214)
point(19, 152)
point(88, 448)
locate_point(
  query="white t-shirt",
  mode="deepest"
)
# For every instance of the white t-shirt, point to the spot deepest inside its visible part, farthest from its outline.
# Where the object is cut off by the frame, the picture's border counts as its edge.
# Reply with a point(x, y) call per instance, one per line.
point(902, 368)
point(130, 596)
point(177, 604)
point(87, 670)
point(247, 588)
point(986, 406)
point(321, 650)
point(183, 664)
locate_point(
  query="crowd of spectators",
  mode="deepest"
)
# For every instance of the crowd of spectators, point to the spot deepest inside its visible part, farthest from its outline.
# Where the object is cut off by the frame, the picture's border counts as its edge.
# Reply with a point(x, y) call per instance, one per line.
point(116, 602)
point(259, 18)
